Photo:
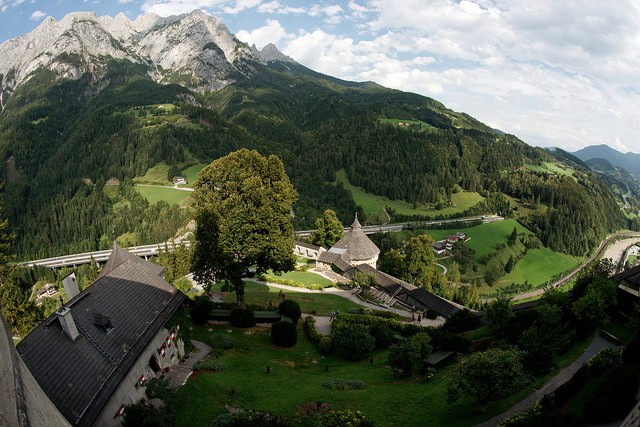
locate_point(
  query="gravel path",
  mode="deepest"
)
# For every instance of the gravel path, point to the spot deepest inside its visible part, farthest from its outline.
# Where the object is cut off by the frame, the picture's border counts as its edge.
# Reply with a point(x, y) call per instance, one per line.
point(560, 378)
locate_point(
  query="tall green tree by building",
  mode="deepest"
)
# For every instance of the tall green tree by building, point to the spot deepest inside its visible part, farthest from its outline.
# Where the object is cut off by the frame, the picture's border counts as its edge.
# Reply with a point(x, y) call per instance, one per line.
point(328, 230)
point(243, 212)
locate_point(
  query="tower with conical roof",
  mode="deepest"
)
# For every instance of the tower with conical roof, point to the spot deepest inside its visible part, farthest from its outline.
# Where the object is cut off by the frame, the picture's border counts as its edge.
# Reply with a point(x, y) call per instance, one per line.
point(354, 248)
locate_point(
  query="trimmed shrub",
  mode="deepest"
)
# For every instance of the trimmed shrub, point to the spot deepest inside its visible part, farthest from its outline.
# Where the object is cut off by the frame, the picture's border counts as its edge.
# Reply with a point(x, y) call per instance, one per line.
point(284, 334)
point(223, 341)
point(432, 313)
point(200, 310)
point(343, 384)
point(290, 309)
point(242, 318)
point(325, 345)
point(310, 329)
point(209, 364)
point(353, 342)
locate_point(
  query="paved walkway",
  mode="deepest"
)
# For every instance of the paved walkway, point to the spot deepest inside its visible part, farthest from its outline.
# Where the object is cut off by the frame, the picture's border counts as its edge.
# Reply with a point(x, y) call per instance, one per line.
point(179, 374)
point(560, 378)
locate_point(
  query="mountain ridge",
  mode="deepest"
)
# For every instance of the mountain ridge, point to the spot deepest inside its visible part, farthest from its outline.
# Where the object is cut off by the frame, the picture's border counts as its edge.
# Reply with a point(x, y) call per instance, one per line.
point(629, 161)
point(195, 46)
point(113, 118)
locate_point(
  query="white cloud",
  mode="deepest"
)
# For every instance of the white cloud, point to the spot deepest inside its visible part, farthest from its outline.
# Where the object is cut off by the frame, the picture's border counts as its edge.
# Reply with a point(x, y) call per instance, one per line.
point(37, 15)
point(177, 7)
point(241, 5)
point(272, 32)
point(123, 1)
point(7, 4)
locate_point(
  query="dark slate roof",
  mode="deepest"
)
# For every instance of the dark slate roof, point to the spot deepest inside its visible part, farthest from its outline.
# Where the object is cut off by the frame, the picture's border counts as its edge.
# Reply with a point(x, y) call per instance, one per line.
point(629, 278)
point(410, 294)
point(356, 244)
point(80, 376)
point(119, 255)
point(307, 245)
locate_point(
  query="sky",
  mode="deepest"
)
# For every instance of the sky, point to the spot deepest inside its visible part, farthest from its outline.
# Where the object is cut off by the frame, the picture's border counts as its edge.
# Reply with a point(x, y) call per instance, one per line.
point(553, 73)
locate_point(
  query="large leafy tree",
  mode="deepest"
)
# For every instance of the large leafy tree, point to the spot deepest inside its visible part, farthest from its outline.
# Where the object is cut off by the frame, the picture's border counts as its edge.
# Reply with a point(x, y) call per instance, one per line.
point(328, 230)
point(487, 375)
point(243, 212)
point(420, 267)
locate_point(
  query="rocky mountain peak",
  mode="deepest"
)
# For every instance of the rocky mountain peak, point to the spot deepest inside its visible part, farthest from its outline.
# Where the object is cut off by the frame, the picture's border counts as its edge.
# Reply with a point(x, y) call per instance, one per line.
point(270, 53)
point(194, 49)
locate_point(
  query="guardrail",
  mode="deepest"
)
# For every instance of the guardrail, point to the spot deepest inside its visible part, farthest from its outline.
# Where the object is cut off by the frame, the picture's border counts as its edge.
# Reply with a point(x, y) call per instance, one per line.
point(101, 256)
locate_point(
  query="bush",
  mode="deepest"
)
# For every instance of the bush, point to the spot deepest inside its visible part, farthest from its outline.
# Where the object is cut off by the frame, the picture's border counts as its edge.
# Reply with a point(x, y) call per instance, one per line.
point(382, 334)
point(614, 395)
point(143, 414)
point(200, 310)
point(284, 334)
point(249, 418)
point(462, 321)
point(432, 313)
point(310, 329)
point(448, 341)
point(342, 418)
point(290, 309)
point(325, 345)
point(242, 318)
point(157, 388)
point(221, 342)
point(343, 384)
point(353, 342)
point(209, 364)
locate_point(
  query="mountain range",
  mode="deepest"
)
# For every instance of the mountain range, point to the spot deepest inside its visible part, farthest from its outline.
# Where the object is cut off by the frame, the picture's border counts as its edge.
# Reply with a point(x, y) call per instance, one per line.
point(627, 161)
point(91, 103)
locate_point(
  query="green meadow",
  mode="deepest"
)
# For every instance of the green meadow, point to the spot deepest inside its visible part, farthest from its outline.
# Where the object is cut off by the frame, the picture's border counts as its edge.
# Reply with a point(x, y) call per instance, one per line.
point(537, 266)
point(374, 205)
point(168, 194)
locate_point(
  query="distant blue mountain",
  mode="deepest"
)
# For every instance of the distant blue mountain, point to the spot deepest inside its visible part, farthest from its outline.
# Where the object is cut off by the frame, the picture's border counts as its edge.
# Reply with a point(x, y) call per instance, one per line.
point(627, 161)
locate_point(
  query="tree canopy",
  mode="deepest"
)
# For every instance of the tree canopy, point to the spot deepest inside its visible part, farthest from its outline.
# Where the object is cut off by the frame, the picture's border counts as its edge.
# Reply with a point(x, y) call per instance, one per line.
point(328, 230)
point(242, 207)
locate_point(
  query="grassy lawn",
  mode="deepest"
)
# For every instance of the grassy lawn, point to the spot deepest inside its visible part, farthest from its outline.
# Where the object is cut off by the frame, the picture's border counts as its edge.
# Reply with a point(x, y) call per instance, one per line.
point(310, 302)
point(307, 278)
point(168, 194)
point(155, 175)
point(297, 375)
point(296, 378)
point(484, 237)
point(424, 126)
point(373, 205)
point(191, 173)
point(539, 265)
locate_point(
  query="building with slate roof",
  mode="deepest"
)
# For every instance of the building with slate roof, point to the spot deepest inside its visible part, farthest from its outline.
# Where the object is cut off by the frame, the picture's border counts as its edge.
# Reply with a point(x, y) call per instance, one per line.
point(628, 289)
point(354, 248)
point(411, 296)
point(93, 356)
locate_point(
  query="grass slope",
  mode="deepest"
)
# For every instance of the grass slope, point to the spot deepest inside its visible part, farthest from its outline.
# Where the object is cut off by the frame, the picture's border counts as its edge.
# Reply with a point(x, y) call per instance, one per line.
point(374, 205)
point(537, 266)
point(296, 379)
point(310, 302)
point(168, 194)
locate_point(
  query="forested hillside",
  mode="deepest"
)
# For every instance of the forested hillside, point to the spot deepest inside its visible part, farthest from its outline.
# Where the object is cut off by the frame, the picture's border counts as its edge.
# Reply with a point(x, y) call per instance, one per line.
point(62, 141)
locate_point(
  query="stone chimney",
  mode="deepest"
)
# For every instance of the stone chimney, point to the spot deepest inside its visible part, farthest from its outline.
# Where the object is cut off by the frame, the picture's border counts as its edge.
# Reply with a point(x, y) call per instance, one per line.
point(67, 322)
point(70, 286)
